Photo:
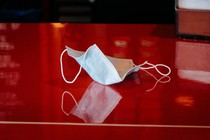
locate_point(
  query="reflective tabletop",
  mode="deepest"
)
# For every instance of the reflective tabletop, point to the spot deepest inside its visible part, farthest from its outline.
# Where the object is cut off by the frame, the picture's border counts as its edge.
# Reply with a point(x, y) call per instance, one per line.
point(36, 102)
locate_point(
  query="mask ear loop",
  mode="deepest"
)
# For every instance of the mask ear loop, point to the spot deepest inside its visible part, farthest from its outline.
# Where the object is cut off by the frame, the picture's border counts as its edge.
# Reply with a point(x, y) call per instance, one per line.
point(62, 100)
point(157, 80)
point(156, 68)
point(62, 73)
point(164, 75)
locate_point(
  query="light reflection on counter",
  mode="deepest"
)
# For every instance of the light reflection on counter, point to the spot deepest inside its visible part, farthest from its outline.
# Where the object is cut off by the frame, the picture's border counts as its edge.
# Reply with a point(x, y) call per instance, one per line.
point(10, 78)
point(120, 45)
point(199, 76)
point(187, 101)
point(9, 100)
point(193, 61)
point(9, 72)
point(4, 44)
point(7, 62)
point(9, 26)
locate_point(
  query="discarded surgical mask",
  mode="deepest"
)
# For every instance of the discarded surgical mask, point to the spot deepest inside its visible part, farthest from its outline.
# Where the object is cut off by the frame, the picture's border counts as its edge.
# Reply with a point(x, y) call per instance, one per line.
point(105, 69)
point(95, 105)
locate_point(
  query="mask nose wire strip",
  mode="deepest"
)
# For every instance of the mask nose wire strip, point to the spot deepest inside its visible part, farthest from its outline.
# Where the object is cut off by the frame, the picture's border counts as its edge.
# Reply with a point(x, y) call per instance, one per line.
point(156, 68)
point(62, 73)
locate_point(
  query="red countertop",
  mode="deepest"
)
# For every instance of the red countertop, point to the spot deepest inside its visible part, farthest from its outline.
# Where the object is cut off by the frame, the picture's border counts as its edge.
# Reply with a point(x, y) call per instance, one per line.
point(34, 103)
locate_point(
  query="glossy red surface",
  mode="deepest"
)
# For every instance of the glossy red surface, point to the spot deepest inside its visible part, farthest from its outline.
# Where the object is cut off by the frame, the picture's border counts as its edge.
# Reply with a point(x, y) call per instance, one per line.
point(36, 103)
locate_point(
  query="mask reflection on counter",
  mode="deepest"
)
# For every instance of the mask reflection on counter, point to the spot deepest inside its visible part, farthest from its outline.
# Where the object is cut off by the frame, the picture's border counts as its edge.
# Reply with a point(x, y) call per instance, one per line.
point(193, 61)
point(96, 104)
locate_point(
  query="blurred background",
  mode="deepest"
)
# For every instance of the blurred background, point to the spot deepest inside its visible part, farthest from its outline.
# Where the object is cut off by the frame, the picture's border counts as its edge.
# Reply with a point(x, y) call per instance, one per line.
point(88, 11)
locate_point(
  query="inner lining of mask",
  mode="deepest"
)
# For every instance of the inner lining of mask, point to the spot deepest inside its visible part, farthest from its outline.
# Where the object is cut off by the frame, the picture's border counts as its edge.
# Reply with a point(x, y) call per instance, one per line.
point(122, 65)
point(74, 53)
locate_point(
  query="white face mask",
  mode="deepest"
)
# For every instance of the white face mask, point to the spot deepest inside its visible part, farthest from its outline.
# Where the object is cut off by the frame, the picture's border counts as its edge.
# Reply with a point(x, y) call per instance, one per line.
point(105, 69)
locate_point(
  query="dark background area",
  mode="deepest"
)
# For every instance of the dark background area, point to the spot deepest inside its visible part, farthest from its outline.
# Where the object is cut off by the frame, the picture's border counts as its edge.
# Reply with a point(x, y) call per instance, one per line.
point(88, 11)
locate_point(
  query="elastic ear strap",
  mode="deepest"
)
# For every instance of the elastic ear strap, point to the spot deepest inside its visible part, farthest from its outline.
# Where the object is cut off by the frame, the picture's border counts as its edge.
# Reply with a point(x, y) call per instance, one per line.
point(75, 101)
point(62, 100)
point(62, 73)
point(156, 68)
point(157, 80)
point(151, 66)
